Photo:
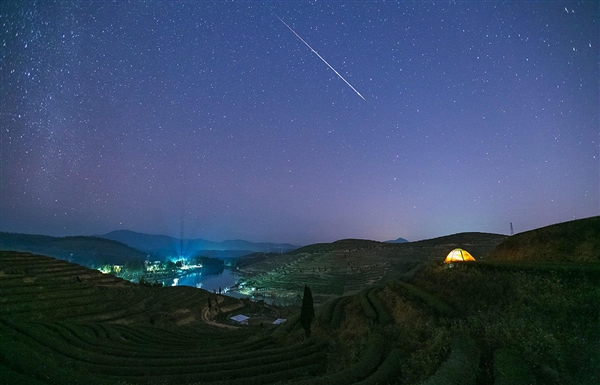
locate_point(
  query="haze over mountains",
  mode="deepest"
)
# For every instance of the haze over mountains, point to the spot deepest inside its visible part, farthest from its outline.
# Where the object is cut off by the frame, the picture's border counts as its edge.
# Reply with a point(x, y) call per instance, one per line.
point(166, 245)
point(120, 247)
point(84, 250)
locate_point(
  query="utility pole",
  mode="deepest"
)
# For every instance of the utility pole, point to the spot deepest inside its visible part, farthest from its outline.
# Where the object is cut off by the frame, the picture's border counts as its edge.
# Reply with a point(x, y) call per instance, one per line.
point(512, 232)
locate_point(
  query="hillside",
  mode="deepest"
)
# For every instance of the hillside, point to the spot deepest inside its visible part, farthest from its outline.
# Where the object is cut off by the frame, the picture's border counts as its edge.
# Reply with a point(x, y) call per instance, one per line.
point(87, 251)
point(348, 266)
point(573, 241)
point(61, 323)
point(165, 245)
point(471, 324)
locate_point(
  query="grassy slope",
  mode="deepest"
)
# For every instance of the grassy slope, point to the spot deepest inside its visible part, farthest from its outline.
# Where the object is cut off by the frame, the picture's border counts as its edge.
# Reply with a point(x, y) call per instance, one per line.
point(539, 325)
point(551, 318)
point(350, 265)
point(574, 241)
point(63, 323)
point(546, 318)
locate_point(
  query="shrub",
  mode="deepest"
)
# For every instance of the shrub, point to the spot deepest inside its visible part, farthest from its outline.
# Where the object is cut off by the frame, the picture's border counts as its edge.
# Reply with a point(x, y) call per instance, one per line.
point(366, 305)
point(271, 370)
point(338, 312)
point(511, 369)
point(367, 363)
point(387, 372)
point(8, 376)
point(460, 368)
point(438, 306)
point(287, 375)
point(326, 311)
point(24, 355)
point(307, 312)
point(383, 315)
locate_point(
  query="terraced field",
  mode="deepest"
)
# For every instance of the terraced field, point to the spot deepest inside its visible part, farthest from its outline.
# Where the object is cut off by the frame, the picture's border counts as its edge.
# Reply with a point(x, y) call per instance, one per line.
point(330, 275)
point(498, 322)
point(61, 323)
point(348, 266)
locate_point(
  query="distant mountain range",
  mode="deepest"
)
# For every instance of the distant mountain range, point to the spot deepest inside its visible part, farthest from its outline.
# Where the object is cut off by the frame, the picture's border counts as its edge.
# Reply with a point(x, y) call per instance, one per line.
point(122, 246)
point(87, 251)
point(399, 240)
point(165, 245)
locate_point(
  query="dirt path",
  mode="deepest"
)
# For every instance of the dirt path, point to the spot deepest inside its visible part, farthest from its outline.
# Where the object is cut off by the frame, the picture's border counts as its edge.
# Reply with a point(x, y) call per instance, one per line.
point(207, 317)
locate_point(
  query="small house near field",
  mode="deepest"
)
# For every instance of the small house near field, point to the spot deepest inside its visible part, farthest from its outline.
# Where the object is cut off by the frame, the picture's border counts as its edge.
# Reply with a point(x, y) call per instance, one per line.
point(241, 319)
point(459, 255)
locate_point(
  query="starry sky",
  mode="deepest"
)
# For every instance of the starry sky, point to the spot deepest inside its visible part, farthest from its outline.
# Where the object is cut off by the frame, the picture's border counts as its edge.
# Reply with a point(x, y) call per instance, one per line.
point(213, 119)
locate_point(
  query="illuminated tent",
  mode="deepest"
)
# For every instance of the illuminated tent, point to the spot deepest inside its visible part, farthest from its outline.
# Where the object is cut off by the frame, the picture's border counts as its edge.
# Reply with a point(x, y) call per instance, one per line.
point(459, 255)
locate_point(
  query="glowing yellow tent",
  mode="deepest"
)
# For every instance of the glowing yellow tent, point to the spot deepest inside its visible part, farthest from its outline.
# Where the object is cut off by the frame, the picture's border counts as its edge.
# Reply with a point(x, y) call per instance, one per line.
point(459, 255)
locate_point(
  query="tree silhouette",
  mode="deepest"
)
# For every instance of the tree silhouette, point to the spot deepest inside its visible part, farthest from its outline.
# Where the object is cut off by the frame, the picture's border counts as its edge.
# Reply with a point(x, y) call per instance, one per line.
point(307, 313)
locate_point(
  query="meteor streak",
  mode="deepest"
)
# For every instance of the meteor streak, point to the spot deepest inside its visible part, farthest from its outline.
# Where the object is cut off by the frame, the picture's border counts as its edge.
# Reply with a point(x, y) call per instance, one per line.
point(320, 57)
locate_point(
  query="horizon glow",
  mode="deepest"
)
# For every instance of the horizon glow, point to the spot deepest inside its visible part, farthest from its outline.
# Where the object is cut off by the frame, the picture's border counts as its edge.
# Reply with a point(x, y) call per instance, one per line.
point(211, 120)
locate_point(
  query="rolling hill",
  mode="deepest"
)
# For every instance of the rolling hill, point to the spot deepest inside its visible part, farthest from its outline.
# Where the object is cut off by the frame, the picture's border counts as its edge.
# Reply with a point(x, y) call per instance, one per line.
point(87, 251)
point(165, 245)
point(573, 241)
point(469, 324)
point(347, 266)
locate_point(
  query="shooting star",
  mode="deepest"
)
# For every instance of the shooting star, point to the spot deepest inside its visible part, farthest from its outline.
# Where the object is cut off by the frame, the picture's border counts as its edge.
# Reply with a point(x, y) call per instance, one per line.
point(320, 57)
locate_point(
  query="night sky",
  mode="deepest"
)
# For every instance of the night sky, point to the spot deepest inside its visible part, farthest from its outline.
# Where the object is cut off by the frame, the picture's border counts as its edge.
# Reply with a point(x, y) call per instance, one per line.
point(214, 120)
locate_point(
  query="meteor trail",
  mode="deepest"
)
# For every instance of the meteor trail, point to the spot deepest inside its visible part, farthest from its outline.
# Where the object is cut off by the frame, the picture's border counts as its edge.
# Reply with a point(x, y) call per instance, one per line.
point(316, 53)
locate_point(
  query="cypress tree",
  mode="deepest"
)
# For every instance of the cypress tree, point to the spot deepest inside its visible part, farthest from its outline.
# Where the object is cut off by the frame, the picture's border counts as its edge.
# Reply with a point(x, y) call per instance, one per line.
point(307, 313)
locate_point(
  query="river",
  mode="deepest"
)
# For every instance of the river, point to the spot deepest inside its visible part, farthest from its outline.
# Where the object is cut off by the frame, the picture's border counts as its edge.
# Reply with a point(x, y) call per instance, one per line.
point(207, 281)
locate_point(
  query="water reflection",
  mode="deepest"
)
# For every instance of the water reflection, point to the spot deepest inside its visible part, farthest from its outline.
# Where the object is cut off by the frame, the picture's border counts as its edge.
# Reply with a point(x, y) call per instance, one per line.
point(207, 280)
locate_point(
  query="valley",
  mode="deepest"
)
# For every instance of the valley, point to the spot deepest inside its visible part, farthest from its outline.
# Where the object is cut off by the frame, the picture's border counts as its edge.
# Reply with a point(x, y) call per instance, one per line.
point(384, 314)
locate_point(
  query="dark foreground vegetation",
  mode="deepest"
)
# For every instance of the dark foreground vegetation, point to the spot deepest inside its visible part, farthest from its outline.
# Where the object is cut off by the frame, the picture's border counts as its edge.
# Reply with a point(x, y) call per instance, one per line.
point(486, 322)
